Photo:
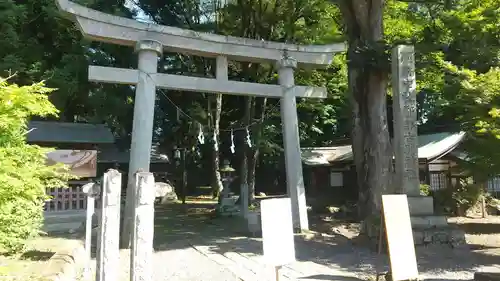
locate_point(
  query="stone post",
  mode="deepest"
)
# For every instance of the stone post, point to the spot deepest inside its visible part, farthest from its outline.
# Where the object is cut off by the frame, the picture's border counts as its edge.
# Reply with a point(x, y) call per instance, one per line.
point(405, 120)
point(293, 160)
point(108, 255)
point(142, 127)
point(92, 190)
point(141, 255)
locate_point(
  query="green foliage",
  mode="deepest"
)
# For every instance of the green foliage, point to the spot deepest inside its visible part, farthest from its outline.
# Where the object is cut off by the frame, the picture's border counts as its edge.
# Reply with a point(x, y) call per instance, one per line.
point(457, 57)
point(425, 189)
point(476, 106)
point(456, 200)
point(24, 175)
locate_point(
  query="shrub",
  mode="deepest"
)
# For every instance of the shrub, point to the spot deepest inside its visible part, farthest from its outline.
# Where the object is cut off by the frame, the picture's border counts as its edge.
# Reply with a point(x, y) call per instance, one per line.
point(425, 189)
point(458, 199)
point(466, 196)
point(24, 175)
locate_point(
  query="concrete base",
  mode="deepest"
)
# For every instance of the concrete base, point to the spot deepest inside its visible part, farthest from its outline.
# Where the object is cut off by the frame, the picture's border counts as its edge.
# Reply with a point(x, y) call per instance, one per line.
point(429, 228)
point(452, 236)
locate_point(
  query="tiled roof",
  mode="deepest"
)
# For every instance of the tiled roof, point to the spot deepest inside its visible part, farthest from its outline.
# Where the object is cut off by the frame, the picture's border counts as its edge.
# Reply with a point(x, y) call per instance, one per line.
point(62, 132)
point(430, 147)
point(113, 155)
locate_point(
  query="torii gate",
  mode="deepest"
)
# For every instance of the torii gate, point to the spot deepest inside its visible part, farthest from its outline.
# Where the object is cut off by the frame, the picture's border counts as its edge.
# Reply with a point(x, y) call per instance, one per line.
point(149, 41)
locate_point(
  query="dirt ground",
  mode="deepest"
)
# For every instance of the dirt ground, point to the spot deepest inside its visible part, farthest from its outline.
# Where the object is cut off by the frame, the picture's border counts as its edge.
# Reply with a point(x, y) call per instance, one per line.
point(30, 265)
point(481, 233)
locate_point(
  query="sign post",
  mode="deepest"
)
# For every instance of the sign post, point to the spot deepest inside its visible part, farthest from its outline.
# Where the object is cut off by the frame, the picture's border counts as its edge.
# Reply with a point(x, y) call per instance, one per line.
point(277, 232)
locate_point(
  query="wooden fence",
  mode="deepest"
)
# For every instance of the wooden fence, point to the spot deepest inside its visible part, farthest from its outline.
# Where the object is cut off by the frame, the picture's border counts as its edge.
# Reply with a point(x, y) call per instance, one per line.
point(66, 199)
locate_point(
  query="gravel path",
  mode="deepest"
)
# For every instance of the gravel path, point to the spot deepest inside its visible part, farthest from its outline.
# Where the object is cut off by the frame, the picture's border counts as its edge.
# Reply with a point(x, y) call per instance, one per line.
point(320, 261)
point(174, 257)
point(181, 265)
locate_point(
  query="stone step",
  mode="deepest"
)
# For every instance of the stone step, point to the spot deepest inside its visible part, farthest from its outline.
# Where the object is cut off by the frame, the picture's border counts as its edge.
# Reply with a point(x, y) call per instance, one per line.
point(441, 235)
point(63, 221)
point(61, 227)
point(65, 214)
point(425, 222)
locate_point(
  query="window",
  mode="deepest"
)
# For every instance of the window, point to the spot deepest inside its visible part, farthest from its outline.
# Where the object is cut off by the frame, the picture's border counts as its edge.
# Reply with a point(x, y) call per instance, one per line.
point(336, 179)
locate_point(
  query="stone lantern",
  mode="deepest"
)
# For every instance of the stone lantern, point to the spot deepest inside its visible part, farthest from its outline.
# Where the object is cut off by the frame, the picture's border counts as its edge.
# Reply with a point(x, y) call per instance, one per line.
point(180, 165)
point(227, 175)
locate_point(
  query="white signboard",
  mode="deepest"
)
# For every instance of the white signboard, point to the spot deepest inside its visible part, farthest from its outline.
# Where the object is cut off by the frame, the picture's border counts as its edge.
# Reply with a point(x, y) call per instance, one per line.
point(277, 231)
point(399, 237)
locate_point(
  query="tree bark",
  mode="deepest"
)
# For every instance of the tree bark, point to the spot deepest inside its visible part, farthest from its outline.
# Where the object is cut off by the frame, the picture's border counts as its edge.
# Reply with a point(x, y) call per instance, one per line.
point(216, 177)
point(253, 153)
point(244, 173)
point(368, 92)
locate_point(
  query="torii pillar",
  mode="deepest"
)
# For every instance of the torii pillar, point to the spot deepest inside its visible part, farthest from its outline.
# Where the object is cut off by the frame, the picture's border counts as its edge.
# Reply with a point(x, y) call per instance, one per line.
point(148, 52)
point(291, 142)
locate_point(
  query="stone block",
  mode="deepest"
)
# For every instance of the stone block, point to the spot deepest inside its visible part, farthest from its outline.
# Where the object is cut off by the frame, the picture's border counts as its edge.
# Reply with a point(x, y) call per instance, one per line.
point(421, 205)
point(165, 193)
point(487, 276)
point(437, 236)
point(418, 238)
point(425, 222)
point(228, 201)
point(254, 223)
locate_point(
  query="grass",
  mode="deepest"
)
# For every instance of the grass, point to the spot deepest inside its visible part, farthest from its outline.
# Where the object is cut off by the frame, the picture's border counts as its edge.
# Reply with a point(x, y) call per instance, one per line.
point(31, 264)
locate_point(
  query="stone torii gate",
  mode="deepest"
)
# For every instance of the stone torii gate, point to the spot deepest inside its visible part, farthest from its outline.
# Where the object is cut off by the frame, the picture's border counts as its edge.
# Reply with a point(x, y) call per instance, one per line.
point(150, 40)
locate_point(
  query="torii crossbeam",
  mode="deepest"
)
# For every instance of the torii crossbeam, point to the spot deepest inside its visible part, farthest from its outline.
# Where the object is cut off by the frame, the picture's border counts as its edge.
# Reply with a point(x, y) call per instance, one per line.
point(150, 40)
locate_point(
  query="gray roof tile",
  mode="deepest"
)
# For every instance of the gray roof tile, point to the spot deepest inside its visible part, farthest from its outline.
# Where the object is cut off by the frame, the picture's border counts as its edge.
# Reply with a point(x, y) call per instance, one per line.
point(62, 132)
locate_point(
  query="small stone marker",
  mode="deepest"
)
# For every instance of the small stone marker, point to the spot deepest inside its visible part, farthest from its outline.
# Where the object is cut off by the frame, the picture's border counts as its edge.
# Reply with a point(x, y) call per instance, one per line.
point(108, 255)
point(92, 190)
point(141, 255)
point(401, 248)
point(277, 232)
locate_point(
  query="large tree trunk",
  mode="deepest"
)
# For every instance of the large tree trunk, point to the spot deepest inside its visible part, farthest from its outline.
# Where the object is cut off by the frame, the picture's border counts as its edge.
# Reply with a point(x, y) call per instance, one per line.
point(368, 91)
point(216, 177)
